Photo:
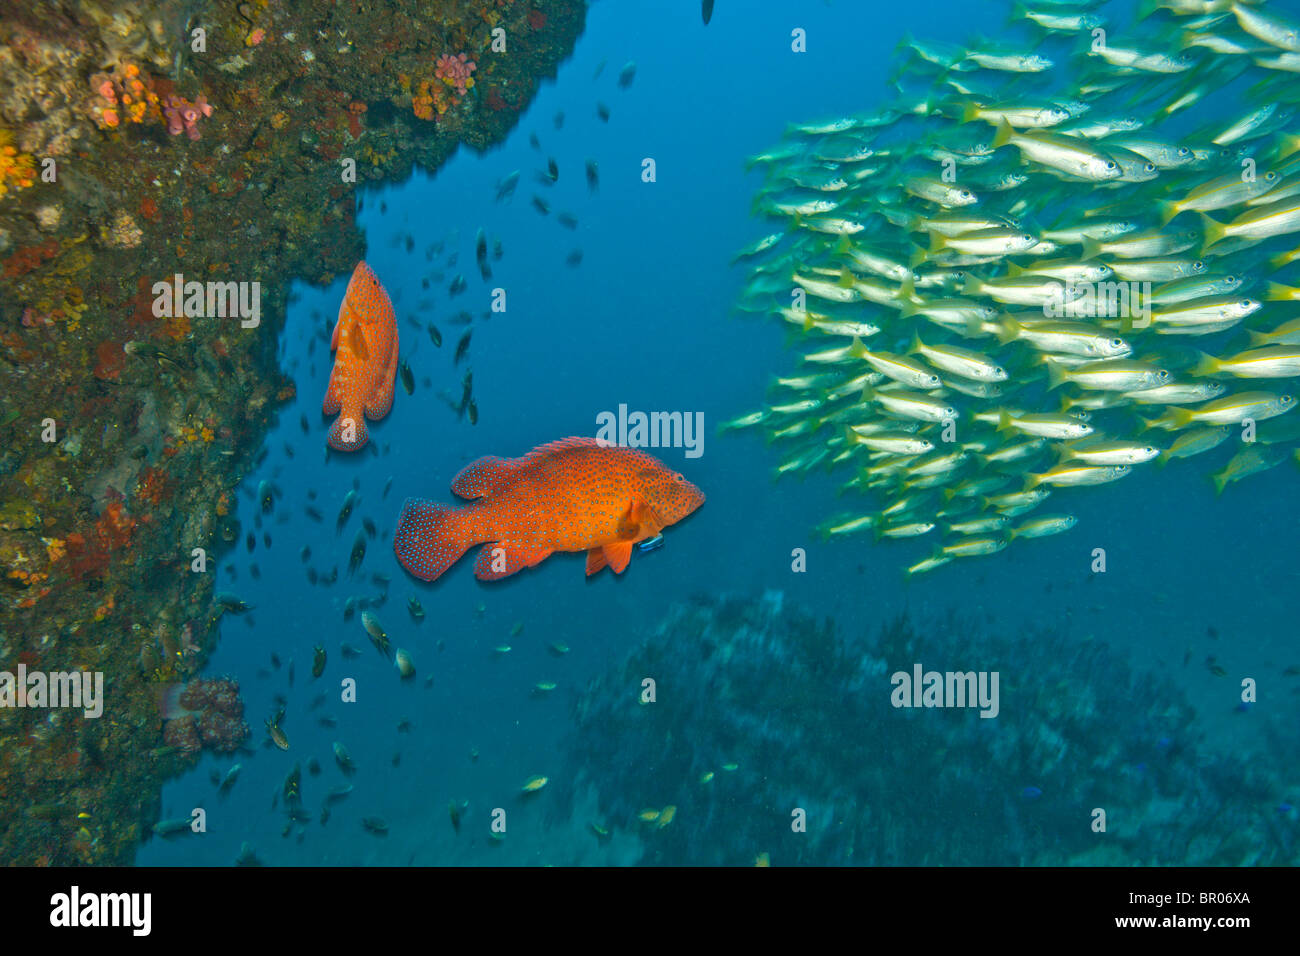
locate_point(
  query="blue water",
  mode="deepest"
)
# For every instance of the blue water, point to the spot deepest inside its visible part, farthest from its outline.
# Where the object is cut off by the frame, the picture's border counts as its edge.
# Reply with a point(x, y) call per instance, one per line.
point(646, 321)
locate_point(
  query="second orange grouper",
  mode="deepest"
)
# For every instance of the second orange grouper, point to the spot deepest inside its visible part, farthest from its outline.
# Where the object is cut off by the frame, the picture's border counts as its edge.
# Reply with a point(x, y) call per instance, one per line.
point(571, 495)
point(365, 361)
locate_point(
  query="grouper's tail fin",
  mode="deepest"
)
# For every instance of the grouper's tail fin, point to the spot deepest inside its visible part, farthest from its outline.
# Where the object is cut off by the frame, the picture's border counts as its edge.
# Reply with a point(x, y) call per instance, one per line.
point(430, 537)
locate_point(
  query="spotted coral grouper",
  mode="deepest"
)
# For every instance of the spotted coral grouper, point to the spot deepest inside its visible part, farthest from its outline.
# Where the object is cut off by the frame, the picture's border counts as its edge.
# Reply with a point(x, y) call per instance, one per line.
point(571, 495)
point(365, 363)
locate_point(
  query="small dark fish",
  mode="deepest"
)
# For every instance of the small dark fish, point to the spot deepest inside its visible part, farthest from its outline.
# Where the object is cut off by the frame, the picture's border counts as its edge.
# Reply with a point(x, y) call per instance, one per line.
point(458, 285)
point(318, 661)
point(305, 554)
point(408, 378)
point(593, 176)
point(568, 220)
point(383, 207)
point(345, 512)
point(378, 637)
point(416, 609)
point(247, 856)
point(229, 779)
point(228, 602)
point(409, 242)
point(338, 793)
point(506, 187)
point(171, 828)
point(534, 142)
point(312, 576)
point(388, 486)
point(472, 410)
point(600, 68)
point(264, 496)
point(552, 169)
point(302, 423)
point(603, 112)
point(497, 250)
point(466, 391)
point(344, 759)
point(251, 541)
point(255, 572)
point(327, 720)
point(462, 347)
point(369, 526)
point(1031, 793)
point(541, 206)
point(349, 652)
point(435, 336)
point(626, 75)
point(324, 815)
point(314, 514)
point(574, 258)
point(332, 577)
point(313, 766)
point(288, 450)
point(481, 256)
point(559, 120)
point(293, 786)
point(706, 11)
point(266, 539)
point(404, 726)
point(376, 825)
point(349, 609)
point(377, 579)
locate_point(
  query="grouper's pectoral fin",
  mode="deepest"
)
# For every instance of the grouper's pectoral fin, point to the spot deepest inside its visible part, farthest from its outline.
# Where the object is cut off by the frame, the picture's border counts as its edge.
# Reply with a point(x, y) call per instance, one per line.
point(639, 521)
point(617, 554)
point(595, 561)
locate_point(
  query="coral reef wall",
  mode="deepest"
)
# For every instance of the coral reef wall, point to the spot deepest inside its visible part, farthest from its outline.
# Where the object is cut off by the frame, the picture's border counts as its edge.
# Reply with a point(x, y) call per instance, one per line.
point(225, 143)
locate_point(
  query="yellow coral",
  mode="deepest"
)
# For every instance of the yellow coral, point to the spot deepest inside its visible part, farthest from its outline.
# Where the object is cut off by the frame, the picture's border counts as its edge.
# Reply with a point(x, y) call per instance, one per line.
point(17, 170)
point(54, 548)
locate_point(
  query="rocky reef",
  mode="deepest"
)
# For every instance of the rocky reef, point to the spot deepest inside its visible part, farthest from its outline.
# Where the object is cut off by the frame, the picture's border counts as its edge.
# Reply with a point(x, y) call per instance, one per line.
point(762, 710)
point(141, 140)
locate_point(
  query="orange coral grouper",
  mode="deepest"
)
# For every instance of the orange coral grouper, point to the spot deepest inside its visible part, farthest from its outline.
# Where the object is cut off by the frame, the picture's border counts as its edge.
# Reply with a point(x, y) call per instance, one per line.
point(571, 495)
point(365, 338)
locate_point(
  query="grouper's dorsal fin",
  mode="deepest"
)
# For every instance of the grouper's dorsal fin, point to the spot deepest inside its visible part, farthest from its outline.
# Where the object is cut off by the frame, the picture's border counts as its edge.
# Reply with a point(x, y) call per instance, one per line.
point(479, 478)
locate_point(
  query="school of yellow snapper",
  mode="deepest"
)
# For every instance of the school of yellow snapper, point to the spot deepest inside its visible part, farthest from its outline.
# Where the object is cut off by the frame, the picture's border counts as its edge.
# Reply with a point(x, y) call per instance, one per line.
point(1041, 266)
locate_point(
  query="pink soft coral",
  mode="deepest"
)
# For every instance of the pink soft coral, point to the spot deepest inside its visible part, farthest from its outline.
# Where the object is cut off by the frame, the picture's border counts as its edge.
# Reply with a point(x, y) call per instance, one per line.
point(456, 71)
